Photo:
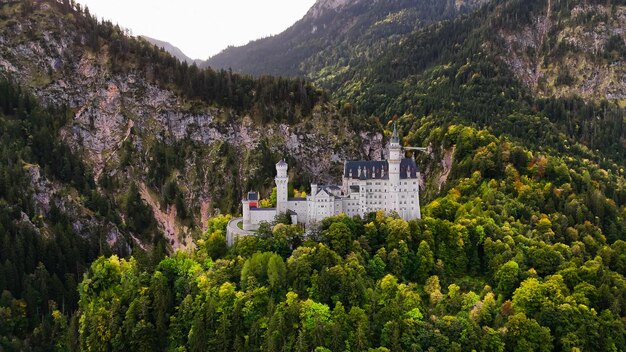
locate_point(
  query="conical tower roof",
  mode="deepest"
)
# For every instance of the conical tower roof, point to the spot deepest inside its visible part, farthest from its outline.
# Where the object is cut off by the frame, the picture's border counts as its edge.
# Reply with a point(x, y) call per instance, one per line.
point(395, 138)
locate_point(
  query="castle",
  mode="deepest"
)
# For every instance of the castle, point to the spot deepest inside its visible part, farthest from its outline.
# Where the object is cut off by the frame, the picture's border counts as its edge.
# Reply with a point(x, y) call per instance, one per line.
point(390, 185)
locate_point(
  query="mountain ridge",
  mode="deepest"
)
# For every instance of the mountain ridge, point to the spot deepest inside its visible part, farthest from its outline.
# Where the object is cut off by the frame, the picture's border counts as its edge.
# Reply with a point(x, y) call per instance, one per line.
point(172, 49)
point(291, 53)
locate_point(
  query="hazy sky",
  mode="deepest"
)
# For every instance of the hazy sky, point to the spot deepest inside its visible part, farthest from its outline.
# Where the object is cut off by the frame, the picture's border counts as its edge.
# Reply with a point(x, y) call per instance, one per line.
point(201, 28)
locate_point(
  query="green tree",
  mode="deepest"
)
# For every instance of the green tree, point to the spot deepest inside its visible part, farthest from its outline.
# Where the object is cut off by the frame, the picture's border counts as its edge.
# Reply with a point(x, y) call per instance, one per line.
point(425, 261)
point(140, 218)
point(339, 237)
point(525, 334)
point(276, 274)
point(507, 278)
point(376, 267)
point(273, 197)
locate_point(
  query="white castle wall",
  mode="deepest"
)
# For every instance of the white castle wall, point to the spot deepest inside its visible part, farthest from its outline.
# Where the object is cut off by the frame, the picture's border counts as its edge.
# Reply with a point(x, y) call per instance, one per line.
point(257, 216)
point(301, 207)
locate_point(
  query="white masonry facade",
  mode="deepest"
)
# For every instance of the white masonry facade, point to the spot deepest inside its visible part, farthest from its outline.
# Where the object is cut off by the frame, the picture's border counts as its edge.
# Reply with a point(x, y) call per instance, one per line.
point(390, 185)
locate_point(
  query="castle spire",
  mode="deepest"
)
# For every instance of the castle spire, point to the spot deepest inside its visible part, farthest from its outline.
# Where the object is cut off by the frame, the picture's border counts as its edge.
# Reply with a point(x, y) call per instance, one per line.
point(395, 150)
point(395, 138)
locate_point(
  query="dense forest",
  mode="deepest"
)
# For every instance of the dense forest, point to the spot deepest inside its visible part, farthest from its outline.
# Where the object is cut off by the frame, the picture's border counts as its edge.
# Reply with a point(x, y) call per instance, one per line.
point(41, 258)
point(457, 71)
point(401, 58)
point(521, 246)
point(524, 253)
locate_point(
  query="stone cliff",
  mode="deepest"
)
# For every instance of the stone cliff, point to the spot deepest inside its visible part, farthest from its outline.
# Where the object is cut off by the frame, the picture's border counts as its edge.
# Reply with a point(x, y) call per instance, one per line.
point(117, 114)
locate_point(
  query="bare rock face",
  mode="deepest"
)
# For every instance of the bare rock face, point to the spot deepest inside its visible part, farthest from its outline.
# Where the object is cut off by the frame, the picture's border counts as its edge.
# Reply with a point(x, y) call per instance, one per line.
point(571, 56)
point(43, 190)
point(48, 194)
point(110, 108)
point(325, 5)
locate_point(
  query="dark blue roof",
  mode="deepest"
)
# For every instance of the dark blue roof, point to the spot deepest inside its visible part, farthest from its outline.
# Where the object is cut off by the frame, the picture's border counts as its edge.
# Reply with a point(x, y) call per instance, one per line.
point(253, 196)
point(378, 169)
point(408, 168)
point(371, 170)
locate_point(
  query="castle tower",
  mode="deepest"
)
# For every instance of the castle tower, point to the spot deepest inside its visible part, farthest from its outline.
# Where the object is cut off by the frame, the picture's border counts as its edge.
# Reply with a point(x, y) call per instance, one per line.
point(395, 157)
point(282, 185)
point(250, 201)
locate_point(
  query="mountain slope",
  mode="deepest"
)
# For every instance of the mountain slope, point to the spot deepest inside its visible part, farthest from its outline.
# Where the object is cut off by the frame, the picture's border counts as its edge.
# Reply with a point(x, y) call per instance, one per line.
point(466, 68)
point(336, 33)
point(131, 115)
point(111, 145)
point(553, 48)
point(573, 48)
point(173, 50)
point(521, 248)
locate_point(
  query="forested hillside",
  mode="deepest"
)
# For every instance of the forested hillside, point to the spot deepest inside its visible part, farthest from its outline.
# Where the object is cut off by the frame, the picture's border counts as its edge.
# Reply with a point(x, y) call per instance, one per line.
point(524, 252)
point(114, 147)
point(519, 249)
point(547, 49)
point(136, 115)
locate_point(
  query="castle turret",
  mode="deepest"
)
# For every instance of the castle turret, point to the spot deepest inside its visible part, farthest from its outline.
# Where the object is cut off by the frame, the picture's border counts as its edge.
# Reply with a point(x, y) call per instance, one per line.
point(395, 157)
point(250, 201)
point(395, 150)
point(282, 185)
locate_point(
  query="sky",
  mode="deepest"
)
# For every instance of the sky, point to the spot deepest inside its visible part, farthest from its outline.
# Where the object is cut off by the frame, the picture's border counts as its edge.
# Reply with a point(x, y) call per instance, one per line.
point(201, 28)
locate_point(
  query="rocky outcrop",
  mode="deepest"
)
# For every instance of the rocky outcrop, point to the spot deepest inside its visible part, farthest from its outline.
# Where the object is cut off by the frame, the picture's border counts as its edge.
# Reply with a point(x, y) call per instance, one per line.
point(327, 5)
point(571, 55)
point(47, 195)
point(109, 108)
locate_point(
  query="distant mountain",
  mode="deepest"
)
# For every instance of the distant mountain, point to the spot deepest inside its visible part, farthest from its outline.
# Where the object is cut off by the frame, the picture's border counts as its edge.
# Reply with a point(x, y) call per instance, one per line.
point(170, 48)
point(338, 33)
